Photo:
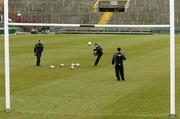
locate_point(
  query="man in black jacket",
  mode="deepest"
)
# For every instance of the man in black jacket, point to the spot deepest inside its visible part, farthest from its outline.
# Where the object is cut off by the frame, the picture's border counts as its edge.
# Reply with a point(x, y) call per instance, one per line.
point(118, 59)
point(98, 51)
point(38, 49)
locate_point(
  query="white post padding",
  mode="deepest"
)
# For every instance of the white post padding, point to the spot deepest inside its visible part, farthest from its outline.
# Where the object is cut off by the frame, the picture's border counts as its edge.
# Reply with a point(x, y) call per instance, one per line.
point(172, 59)
point(6, 50)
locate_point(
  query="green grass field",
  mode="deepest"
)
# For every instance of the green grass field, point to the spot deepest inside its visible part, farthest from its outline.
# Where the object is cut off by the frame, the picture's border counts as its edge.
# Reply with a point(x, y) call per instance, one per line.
point(89, 92)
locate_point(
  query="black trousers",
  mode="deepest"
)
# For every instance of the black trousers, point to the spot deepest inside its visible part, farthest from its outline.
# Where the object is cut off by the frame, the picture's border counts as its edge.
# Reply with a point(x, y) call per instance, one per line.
point(97, 59)
point(38, 56)
point(119, 72)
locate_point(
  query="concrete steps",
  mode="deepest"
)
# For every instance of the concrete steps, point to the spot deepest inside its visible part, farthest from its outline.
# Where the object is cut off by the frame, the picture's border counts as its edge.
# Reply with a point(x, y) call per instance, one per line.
point(80, 11)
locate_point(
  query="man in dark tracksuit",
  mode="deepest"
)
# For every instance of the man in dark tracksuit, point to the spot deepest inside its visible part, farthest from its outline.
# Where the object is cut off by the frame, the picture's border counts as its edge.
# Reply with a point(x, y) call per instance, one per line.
point(118, 59)
point(98, 51)
point(38, 49)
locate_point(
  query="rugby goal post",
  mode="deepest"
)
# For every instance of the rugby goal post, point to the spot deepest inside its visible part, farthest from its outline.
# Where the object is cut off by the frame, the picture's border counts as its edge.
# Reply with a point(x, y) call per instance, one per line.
point(172, 49)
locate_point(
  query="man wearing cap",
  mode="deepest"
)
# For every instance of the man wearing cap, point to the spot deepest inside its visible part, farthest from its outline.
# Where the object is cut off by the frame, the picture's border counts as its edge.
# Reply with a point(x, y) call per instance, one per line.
point(38, 49)
point(118, 59)
point(98, 51)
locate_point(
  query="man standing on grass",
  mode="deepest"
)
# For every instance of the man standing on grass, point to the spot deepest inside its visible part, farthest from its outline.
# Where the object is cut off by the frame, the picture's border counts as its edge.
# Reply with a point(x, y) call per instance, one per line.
point(38, 49)
point(118, 59)
point(98, 51)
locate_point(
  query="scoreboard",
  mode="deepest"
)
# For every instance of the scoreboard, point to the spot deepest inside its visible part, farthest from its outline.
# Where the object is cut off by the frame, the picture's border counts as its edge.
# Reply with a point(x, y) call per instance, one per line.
point(113, 5)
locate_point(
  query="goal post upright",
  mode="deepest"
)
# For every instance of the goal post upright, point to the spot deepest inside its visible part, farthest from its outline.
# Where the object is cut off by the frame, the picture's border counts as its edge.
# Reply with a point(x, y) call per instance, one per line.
point(6, 51)
point(172, 58)
point(172, 48)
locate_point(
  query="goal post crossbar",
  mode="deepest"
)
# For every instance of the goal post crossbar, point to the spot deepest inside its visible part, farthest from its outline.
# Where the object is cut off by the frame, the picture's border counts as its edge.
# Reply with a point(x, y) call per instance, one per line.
point(172, 48)
point(89, 25)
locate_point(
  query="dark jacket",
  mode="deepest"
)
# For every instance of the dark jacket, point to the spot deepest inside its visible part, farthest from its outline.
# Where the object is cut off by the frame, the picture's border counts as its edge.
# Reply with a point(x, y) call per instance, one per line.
point(38, 48)
point(118, 59)
point(98, 50)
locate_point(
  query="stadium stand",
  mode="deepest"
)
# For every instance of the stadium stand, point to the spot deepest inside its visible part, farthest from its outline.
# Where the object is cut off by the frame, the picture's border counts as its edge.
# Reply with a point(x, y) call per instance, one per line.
point(80, 11)
point(1, 4)
point(84, 12)
point(1, 11)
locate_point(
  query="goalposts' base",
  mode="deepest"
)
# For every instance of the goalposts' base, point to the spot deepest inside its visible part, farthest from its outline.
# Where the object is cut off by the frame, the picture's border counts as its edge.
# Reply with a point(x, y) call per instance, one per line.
point(172, 115)
point(7, 110)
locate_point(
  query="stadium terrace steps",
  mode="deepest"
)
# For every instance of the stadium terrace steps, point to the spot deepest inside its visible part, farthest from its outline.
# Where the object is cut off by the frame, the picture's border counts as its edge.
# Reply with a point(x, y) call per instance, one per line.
point(80, 11)
point(1, 5)
point(105, 18)
point(145, 12)
point(60, 11)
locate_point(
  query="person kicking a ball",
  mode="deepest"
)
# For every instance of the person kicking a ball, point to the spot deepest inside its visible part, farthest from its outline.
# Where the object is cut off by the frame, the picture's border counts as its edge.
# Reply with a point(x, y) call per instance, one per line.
point(98, 52)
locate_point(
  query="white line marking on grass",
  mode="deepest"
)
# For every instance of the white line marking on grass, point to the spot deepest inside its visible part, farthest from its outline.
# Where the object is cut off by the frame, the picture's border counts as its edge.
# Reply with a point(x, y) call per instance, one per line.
point(74, 114)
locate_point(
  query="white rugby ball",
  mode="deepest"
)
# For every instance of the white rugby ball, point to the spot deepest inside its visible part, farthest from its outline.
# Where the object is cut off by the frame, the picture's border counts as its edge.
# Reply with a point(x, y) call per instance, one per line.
point(51, 67)
point(77, 65)
point(89, 43)
point(72, 67)
point(61, 65)
point(73, 64)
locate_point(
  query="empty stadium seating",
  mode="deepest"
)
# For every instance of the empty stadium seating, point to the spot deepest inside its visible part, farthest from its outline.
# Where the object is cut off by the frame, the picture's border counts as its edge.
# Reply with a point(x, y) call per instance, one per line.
point(80, 11)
